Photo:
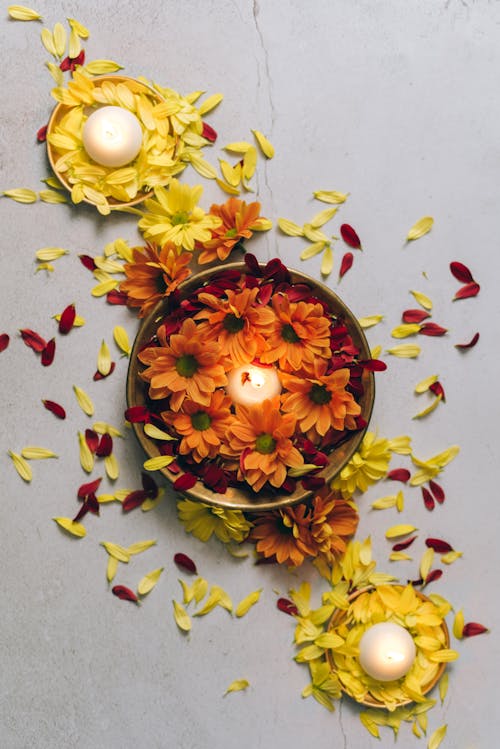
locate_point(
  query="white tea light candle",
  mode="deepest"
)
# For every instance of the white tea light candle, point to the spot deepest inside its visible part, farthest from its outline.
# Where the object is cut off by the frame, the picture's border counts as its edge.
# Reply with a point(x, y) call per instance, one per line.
point(252, 384)
point(112, 136)
point(386, 651)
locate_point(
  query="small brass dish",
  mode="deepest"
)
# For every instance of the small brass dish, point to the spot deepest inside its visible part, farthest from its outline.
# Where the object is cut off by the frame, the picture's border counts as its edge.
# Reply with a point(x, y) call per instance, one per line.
point(241, 498)
point(61, 110)
point(339, 615)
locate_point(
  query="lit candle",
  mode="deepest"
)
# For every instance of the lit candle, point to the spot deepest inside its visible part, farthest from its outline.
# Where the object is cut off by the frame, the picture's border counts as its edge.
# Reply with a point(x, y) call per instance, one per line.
point(386, 651)
point(252, 384)
point(112, 136)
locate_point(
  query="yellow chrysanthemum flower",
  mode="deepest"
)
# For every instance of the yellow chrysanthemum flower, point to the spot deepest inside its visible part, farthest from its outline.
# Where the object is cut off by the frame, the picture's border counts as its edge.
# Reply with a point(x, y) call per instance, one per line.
point(366, 467)
point(203, 520)
point(174, 216)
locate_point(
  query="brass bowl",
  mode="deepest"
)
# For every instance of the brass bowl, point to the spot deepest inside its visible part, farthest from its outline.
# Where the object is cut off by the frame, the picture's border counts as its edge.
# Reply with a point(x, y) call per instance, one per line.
point(241, 498)
point(60, 110)
point(370, 701)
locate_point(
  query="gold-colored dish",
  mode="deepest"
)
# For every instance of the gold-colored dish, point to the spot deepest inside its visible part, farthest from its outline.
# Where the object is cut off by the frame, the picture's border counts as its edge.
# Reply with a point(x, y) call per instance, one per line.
point(60, 110)
point(369, 700)
point(241, 498)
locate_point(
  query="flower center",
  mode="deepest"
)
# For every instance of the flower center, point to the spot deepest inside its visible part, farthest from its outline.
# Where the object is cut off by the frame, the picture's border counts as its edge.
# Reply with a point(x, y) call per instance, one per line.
point(233, 324)
point(186, 365)
point(265, 444)
point(231, 233)
point(319, 394)
point(288, 334)
point(200, 421)
point(160, 284)
point(180, 218)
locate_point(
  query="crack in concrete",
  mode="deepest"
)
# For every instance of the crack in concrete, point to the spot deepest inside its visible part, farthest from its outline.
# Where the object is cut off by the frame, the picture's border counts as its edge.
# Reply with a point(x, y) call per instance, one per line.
point(341, 724)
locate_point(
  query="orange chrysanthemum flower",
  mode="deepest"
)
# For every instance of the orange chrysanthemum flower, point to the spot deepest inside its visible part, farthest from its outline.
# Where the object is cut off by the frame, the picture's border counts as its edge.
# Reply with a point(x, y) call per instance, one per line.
point(318, 529)
point(260, 437)
point(238, 323)
point(321, 402)
point(299, 334)
point(154, 273)
point(187, 366)
point(203, 428)
point(239, 220)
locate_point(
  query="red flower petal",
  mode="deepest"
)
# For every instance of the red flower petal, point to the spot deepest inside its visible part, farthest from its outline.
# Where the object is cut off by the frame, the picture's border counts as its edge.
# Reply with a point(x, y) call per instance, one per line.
point(442, 547)
point(67, 319)
point(373, 365)
point(431, 328)
point(81, 512)
point(55, 408)
point(33, 340)
point(414, 315)
point(184, 482)
point(433, 575)
point(470, 289)
point(428, 499)
point(402, 545)
point(124, 593)
point(346, 264)
point(88, 262)
point(90, 488)
point(208, 132)
point(438, 389)
point(4, 341)
point(399, 474)
point(471, 629)
point(461, 272)
point(92, 440)
point(149, 485)
point(437, 491)
point(105, 446)
point(41, 135)
point(134, 499)
point(48, 353)
point(185, 562)
point(137, 415)
point(116, 297)
point(288, 607)
point(472, 342)
point(98, 376)
point(350, 237)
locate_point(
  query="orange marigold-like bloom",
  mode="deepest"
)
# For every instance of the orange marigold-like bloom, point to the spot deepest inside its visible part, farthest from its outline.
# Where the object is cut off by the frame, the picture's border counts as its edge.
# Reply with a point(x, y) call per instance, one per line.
point(320, 528)
point(187, 366)
point(238, 323)
point(320, 402)
point(260, 437)
point(239, 220)
point(154, 273)
point(203, 428)
point(299, 334)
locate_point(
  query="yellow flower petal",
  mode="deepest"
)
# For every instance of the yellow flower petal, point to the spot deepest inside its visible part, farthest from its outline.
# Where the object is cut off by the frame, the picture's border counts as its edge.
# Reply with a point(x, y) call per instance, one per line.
point(156, 464)
point(182, 618)
point(21, 466)
point(429, 408)
point(250, 600)
point(264, 144)
point(84, 401)
point(290, 228)
point(111, 466)
point(421, 227)
point(45, 266)
point(102, 428)
point(443, 686)
point(78, 28)
point(384, 503)
point(314, 235)
point(237, 686)
point(37, 453)
point(209, 104)
point(458, 625)
point(240, 147)
point(451, 556)
point(437, 737)
point(399, 556)
point(139, 546)
point(69, 525)
point(405, 330)
point(370, 320)
point(313, 249)
point(327, 262)
point(405, 351)
point(104, 359)
point(422, 299)
point(369, 724)
point(424, 385)
point(155, 433)
point(111, 569)
point(21, 195)
point(48, 42)
point(249, 163)
point(400, 530)
point(51, 196)
point(426, 563)
point(50, 253)
point(148, 582)
point(400, 501)
point(101, 67)
point(443, 656)
point(202, 166)
point(104, 287)
point(321, 218)
point(229, 189)
point(59, 36)
point(21, 13)
point(200, 588)
point(118, 552)
point(74, 45)
point(86, 456)
point(331, 196)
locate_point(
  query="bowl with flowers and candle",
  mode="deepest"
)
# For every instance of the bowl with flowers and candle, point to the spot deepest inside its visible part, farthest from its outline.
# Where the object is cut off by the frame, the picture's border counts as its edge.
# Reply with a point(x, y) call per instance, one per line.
point(250, 386)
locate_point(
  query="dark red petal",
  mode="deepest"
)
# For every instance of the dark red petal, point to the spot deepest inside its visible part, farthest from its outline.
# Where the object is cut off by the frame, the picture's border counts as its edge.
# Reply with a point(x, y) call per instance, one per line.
point(81, 512)
point(428, 499)
point(431, 328)
point(105, 446)
point(184, 482)
point(433, 575)
point(208, 132)
point(137, 415)
point(373, 365)
point(33, 340)
point(185, 562)
point(399, 474)
point(149, 485)
point(472, 342)
point(92, 440)
point(350, 237)
point(437, 491)
point(124, 593)
point(98, 376)
point(134, 499)
point(48, 353)
point(67, 319)
point(346, 264)
point(4, 341)
point(470, 289)
point(65, 64)
point(471, 629)
point(116, 297)
point(41, 135)
point(402, 545)
point(414, 315)
point(93, 504)
point(442, 547)
point(90, 488)
point(88, 262)
point(288, 607)
point(438, 389)
point(461, 272)
point(55, 408)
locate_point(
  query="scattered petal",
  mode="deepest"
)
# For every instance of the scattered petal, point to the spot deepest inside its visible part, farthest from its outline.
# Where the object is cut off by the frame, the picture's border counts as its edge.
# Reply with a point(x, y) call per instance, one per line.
point(399, 556)
point(111, 466)
point(437, 737)
point(422, 299)
point(84, 401)
point(21, 466)
point(451, 557)
point(121, 339)
point(182, 618)
point(421, 227)
point(313, 249)
point(350, 237)
point(86, 457)
point(467, 291)
point(441, 547)
point(399, 530)
point(327, 261)
point(140, 546)
point(470, 344)
point(33, 340)
point(264, 145)
point(124, 594)
point(116, 297)
point(331, 196)
point(472, 629)
point(370, 320)
point(346, 264)
point(288, 607)
point(185, 563)
point(237, 686)
point(405, 330)
point(104, 359)
point(69, 525)
point(425, 384)
point(290, 228)
point(431, 577)
point(404, 544)
point(148, 582)
point(461, 272)
point(399, 474)
point(443, 686)
point(405, 351)
point(426, 563)
point(101, 67)
point(185, 482)
point(414, 315)
point(4, 341)
point(37, 453)
point(48, 353)
point(48, 254)
point(429, 408)
point(250, 600)
point(21, 13)
point(156, 464)
point(428, 499)
point(21, 195)
point(432, 329)
point(67, 319)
